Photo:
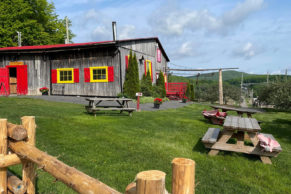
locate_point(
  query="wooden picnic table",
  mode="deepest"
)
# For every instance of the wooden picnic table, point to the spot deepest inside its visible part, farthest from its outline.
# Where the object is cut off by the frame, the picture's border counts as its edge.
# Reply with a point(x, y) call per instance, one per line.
point(120, 104)
point(236, 127)
point(240, 111)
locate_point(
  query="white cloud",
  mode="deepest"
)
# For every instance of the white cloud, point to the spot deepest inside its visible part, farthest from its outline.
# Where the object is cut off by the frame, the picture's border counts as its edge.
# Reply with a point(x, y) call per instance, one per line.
point(187, 49)
point(126, 32)
point(174, 20)
point(247, 51)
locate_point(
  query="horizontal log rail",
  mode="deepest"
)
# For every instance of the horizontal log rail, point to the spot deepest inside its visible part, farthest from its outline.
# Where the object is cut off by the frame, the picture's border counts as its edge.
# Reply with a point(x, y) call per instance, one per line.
point(75, 179)
point(16, 132)
point(9, 160)
point(20, 141)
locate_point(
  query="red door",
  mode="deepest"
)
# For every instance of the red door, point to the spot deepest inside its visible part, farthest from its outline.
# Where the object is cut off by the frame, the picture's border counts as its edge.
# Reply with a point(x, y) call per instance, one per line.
point(4, 81)
point(22, 79)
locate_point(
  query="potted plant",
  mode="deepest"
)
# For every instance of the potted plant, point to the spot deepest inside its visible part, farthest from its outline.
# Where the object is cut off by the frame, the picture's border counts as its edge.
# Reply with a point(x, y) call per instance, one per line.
point(184, 100)
point(44, 90)
point(157, 102)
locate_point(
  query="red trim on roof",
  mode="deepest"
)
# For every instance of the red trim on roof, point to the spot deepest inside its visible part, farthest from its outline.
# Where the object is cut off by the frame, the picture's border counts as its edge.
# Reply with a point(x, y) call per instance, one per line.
point(56, 46)
point(40, 47)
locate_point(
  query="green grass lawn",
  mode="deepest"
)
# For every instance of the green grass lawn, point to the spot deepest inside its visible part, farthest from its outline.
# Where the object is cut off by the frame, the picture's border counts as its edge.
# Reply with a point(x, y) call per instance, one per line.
point(114, 147)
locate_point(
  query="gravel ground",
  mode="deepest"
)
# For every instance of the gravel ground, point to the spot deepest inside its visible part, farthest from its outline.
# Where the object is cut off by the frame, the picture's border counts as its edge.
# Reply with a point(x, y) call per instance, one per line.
point(81, 100)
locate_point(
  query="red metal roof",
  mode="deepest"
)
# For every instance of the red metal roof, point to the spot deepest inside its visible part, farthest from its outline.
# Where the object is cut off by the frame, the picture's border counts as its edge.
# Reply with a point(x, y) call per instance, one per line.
point(41, 47)
point(56, 46)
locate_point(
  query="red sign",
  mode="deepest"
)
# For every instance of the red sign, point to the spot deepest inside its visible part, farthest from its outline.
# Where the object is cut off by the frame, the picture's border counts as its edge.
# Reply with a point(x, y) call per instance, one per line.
point(159, 56)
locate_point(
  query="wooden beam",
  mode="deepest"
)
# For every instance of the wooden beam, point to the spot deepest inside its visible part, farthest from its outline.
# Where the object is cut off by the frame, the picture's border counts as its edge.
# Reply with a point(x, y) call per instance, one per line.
point(150, 182)
point(16, 132)
point(14, 184)
point(28, 167)
point(3, 152)
point(201, 69)
point(9, 160)
point(75, 179)
point(131, 188)
point(244, 149)
point(220, 87)
point(183, 176)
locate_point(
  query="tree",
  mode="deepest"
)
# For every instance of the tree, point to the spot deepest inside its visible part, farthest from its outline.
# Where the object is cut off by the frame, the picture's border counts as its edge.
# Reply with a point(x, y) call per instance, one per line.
point(35, 19)
point(278, 94)
point(146, 85)
point(161, 89)
point(131, 84)
point(192, 97)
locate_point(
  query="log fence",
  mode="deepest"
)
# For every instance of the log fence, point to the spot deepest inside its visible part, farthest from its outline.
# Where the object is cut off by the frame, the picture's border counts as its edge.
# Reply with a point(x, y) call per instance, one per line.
point(17, 147)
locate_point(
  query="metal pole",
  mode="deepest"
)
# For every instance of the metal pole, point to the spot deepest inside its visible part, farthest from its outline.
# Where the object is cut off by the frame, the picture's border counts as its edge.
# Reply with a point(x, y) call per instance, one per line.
point(67, 41)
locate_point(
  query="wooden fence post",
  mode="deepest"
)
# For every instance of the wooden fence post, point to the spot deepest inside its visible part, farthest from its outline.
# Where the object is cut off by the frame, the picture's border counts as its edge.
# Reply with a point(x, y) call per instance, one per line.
point(150, 182)
point(183, 176)
point(29, 168)
point(3, 152)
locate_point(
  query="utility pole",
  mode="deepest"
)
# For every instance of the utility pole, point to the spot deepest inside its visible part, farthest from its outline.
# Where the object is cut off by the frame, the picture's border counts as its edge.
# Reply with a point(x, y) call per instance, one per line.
point(67, 41)
point(286, 75)
point(267, 77)
point(19, 38)
point(220, 87)
point(241, 83)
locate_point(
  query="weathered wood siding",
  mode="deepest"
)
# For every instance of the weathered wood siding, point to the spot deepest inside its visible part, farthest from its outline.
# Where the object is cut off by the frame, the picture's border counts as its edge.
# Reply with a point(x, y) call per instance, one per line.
point(40, 64)
point(146, 49)
point(37, 69)
point(85, 59)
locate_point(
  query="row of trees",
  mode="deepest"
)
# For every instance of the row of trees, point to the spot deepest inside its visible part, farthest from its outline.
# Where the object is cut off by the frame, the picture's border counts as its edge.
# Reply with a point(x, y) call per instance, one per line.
point(133, 85)
point(278, 94)
point(208, 91)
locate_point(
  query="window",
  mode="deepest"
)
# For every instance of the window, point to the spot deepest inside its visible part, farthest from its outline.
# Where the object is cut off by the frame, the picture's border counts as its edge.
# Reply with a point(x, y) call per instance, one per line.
point(98, 74)
point(65, 75)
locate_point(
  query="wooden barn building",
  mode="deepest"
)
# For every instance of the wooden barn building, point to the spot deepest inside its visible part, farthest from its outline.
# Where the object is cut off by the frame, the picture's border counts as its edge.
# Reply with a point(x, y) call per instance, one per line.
point(83, 69)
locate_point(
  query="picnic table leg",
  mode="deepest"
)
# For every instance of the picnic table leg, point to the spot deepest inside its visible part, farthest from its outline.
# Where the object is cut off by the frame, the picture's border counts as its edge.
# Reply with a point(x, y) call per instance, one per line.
point(98, 103)
point(240, 114)
point(226, 135)
point(266, 160)
point(240, 139)
point(255, 141)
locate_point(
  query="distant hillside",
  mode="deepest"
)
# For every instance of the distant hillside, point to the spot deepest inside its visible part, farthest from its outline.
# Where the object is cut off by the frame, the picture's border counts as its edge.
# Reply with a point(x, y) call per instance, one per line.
point(232, 77)
point(226, 75)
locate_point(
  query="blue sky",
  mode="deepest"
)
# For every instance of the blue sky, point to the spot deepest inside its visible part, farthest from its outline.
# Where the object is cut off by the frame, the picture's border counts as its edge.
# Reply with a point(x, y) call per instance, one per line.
point(254, 35)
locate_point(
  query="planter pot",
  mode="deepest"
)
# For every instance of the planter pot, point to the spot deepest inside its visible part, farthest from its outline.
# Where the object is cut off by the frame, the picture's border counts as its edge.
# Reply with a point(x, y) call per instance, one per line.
point(156, 105)
point(44, 93)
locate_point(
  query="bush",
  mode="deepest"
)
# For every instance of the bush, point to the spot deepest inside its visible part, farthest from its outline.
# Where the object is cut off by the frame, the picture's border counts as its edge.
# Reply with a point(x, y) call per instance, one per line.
point(161, 89)
point(131, 84)
point(146, 85)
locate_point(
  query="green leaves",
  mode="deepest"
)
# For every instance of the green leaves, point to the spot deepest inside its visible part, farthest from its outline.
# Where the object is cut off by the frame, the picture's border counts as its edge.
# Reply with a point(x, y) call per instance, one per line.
point(131, 84)
point(35, 19)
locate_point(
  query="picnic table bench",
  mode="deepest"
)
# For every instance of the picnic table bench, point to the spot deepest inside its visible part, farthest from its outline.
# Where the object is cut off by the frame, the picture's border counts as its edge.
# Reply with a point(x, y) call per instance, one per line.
point(240, 111)
point(119, 104)
point(236, 127)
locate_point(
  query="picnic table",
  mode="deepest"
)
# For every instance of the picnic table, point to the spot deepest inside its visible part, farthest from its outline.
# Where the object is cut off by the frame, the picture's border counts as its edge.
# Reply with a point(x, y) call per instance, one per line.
point(240, 111)
point(119, 104)
point(236, 127)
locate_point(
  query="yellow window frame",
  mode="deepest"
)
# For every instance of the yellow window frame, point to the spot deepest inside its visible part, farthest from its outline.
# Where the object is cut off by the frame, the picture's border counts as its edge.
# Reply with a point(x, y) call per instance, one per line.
point(98, 80)
point(65, 69)
point(149, 66)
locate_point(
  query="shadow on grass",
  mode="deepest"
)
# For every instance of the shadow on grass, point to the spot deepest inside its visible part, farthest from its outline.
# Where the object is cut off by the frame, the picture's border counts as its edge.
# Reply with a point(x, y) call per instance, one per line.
point(280, 128)
point(105, 113)
point(199, 147)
